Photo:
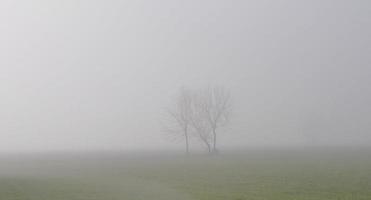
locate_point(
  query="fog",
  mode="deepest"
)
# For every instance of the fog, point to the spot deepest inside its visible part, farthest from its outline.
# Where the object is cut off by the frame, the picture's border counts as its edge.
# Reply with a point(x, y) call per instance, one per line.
point(99, 75)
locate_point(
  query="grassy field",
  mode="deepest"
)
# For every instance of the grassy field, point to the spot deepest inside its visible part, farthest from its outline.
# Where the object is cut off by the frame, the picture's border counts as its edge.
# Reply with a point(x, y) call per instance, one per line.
point(256, 174)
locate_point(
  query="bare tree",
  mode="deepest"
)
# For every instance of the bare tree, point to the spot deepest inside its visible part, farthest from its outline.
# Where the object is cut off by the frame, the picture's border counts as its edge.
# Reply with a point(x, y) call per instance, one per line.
point(181, 114)
point(200, 125)
point(201, 112)
point(203, 132)
point(215, 106)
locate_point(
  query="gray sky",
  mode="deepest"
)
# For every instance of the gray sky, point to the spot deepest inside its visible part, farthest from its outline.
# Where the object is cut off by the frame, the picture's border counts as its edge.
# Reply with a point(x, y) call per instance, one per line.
point(80, 75)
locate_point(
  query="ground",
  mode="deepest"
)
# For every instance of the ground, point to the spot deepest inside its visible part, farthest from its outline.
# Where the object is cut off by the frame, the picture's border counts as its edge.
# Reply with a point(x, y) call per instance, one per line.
point(291, 174)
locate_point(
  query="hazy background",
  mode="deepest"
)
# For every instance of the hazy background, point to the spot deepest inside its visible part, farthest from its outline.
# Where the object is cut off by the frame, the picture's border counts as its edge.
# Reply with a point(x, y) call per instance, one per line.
point(99, 75)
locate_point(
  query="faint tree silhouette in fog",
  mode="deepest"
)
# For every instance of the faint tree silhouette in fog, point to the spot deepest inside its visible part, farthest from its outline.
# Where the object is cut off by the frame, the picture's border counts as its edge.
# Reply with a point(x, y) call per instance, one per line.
point(214, 104)
point(201, 112)
point(181, 116)
point(200, 125)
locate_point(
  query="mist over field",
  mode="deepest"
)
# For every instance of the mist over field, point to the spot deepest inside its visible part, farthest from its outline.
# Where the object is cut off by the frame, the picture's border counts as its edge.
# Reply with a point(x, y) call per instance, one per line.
point(103, 99)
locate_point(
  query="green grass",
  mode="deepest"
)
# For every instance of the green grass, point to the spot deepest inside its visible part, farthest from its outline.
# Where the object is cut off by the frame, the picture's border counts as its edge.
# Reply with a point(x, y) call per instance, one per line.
point(251, 175)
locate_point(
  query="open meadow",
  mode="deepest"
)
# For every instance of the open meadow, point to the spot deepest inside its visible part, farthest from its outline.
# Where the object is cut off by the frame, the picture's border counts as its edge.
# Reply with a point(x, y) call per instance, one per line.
point(291, 174)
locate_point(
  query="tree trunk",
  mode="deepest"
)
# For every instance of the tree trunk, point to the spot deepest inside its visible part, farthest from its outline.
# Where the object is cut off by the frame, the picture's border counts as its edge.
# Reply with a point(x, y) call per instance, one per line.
point(214, 143)
point(187, 143)
point(186, 139)
point(208, 147)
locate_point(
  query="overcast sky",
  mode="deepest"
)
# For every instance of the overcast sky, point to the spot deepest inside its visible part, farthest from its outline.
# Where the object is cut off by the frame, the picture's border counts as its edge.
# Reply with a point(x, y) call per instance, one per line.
point(90, 75)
